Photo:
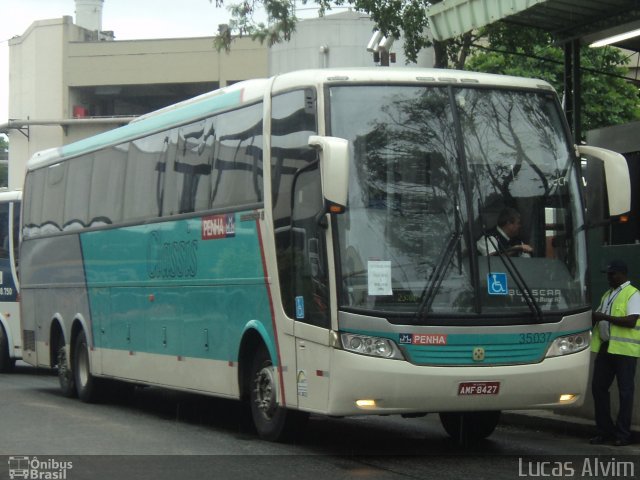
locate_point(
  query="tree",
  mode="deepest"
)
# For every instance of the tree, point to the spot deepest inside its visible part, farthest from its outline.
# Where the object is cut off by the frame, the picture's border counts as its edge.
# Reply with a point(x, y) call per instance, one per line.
point(608, 97)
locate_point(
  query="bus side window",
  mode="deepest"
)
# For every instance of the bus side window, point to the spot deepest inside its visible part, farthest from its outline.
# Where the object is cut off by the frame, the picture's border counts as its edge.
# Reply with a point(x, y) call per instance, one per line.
point(237, 170)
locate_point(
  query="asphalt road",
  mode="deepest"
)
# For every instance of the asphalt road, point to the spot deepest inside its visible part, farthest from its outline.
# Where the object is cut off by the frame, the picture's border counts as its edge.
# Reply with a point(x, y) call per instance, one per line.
point(160, 434)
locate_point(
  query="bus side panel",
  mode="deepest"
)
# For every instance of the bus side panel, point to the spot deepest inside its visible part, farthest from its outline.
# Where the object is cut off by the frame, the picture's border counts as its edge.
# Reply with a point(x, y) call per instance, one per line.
point(171, 299)
point(52, 287)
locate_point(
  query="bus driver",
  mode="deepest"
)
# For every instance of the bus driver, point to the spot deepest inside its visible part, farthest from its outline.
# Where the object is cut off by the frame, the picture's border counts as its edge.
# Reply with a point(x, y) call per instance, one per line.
point(505, 237)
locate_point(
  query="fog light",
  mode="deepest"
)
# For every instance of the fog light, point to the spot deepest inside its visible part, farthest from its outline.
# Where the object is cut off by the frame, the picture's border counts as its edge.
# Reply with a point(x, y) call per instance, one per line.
point(366, 404)
point(567, 397)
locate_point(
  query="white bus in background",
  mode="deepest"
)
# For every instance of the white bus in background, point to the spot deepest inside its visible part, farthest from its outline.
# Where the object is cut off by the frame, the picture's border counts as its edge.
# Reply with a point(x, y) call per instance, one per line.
point(10, 338)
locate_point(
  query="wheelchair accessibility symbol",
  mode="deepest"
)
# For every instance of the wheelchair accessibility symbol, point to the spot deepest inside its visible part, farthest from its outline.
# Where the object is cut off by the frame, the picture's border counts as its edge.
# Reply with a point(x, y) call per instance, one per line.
point(497, 284)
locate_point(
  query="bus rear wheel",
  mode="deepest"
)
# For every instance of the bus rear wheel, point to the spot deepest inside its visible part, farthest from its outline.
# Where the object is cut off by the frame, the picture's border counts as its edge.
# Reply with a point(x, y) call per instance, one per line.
point(87, 386)
point(272, 421)
point(65, 374)
point(6, 362)
point(468, 428)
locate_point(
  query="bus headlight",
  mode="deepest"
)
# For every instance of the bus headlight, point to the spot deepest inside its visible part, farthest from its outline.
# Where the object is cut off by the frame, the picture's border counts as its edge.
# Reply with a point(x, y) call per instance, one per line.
point(373, 346)
point(569, 344)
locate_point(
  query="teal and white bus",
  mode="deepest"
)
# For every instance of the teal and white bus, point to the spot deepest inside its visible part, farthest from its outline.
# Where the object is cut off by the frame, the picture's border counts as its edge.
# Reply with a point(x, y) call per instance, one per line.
point(307, 243)
point(10, 338)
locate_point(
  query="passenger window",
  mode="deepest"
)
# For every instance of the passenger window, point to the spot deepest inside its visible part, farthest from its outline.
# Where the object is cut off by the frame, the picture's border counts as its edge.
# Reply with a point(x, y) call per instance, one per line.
point(76, 202)
point(144, 182)
point(189, 168)
point(107, 183)
point(237, 170)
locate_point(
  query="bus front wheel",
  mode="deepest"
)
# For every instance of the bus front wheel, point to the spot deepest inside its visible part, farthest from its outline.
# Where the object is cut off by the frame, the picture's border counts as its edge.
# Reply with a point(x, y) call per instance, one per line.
point(468, 428)
point(6, 362)
point(87, 385)
point(272, 421)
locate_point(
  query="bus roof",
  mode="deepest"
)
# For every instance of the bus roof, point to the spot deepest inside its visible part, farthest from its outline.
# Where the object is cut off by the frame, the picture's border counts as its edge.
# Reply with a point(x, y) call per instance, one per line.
point(405, 75)
point(249, 91)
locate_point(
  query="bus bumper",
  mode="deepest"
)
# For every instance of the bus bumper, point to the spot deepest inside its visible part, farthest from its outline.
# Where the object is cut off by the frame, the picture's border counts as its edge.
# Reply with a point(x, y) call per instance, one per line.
point(383, 386)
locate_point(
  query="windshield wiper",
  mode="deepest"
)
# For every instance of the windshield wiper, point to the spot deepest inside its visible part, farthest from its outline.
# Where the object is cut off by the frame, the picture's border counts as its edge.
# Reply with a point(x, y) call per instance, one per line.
point(435, 280)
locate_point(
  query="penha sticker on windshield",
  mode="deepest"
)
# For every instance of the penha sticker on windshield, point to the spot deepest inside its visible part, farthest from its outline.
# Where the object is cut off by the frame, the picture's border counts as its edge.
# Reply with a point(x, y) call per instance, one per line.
point(497, 283)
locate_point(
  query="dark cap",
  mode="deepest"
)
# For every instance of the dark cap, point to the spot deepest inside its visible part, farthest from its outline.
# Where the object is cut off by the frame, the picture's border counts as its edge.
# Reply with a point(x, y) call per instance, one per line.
point(616, 266)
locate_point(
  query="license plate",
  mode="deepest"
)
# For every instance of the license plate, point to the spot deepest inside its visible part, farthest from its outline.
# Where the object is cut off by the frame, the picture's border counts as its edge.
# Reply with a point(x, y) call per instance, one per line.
point(478, 388)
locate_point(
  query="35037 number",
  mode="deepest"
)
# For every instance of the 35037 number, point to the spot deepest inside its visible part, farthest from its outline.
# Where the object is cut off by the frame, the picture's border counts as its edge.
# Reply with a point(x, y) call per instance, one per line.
point(527, 338)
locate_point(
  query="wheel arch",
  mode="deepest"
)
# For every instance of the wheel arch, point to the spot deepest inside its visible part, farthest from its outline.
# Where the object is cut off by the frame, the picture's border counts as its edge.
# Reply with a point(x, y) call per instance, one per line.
point(78, 325)
point(60, 336)
point(57, 338)
point(254, 337)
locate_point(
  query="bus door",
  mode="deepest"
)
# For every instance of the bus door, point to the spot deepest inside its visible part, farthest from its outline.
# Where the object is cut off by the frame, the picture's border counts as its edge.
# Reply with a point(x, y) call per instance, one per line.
point(311, 290)
point(301, 243)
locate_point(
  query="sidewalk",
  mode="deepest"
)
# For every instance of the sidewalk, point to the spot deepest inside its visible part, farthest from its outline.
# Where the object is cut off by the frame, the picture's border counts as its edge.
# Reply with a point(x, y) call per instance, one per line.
point(563, 424)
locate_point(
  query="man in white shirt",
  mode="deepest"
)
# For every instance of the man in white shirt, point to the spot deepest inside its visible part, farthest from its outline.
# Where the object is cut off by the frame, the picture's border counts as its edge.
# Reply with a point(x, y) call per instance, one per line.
point(505, 237)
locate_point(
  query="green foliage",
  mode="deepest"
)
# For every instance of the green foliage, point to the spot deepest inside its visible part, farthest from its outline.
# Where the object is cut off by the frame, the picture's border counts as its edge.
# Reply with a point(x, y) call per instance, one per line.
point(281, 22)
point(608, 98)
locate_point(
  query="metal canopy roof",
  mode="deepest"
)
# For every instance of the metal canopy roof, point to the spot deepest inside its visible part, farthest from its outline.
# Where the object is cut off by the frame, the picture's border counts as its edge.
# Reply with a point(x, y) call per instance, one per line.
point(566, 20)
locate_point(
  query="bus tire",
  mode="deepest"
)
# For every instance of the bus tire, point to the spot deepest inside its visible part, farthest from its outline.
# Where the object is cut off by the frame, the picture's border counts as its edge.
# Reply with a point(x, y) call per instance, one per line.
point(6, 362)
point(87, 386)
point(66, 378)
point(468, 428)
point(272, 421)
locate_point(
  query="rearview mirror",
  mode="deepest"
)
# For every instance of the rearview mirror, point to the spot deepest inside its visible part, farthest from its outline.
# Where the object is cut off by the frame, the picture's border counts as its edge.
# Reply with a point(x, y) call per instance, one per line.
point(334, 168)
point(616, 172)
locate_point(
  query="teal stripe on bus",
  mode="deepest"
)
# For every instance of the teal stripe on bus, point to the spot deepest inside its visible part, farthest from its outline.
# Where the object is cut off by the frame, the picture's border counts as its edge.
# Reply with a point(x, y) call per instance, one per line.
point(156, 123)
point(185, 288)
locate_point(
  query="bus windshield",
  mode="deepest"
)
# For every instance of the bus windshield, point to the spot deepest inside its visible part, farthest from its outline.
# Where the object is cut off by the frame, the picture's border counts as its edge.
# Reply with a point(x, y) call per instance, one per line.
point(432, 170)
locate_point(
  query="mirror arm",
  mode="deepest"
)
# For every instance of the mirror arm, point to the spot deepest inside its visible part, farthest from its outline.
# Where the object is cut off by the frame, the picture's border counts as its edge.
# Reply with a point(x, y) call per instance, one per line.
point(321, 218)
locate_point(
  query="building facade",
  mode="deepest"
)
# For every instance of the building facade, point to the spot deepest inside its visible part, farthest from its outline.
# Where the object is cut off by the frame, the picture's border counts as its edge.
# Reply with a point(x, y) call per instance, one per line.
point(67, 82)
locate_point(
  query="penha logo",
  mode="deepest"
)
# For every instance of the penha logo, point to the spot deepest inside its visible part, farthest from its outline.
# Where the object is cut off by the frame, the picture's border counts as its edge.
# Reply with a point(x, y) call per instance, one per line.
point(423, 339)
point(218, 226)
